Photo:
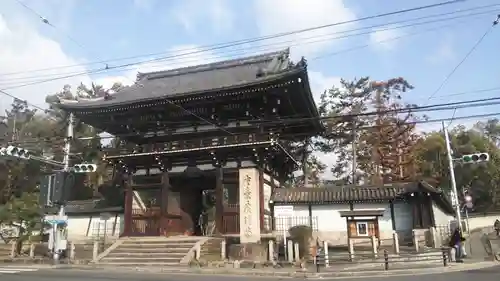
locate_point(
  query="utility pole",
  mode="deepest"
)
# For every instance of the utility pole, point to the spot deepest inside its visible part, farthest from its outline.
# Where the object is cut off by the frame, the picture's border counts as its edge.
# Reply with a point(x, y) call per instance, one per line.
point(452, 177)
point(58, 233)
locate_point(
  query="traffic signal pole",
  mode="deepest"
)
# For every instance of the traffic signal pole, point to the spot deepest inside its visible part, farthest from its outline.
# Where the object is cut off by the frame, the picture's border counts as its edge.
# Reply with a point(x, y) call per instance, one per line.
point(57, 232)
point(452, 177)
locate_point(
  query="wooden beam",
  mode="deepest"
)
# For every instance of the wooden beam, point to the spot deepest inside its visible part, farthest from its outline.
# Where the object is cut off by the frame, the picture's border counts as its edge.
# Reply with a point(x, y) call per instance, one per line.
point(129, 197)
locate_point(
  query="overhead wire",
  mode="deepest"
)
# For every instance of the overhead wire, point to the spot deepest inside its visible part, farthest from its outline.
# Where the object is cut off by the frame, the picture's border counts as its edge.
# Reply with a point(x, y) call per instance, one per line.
point(467, 55)
point(246, 41)
point(287, 121)
point(19, 81)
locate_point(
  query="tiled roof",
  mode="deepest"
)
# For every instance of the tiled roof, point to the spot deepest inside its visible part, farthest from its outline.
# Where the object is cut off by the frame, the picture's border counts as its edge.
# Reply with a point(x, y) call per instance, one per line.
point(346, 194)
point(196, 79)
point(89, 206)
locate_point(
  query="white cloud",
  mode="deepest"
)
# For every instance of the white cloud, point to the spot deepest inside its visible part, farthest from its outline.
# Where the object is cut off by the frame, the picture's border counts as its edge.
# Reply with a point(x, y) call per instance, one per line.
point(198, 14)
point(381, 38)
point(23, 49)
point(276, 16)
point(321, 83)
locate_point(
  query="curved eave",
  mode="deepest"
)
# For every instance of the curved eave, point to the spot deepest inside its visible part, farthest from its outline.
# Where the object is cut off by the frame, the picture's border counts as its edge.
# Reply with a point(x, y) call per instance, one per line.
point(310, 99)
point(236, 88)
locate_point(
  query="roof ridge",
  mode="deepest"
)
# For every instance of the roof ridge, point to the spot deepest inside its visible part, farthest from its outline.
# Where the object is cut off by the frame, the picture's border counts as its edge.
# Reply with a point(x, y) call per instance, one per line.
point(214, 65)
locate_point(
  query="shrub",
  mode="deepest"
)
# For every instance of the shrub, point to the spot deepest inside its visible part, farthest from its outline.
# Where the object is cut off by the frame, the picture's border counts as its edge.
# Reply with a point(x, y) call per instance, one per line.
point(301, 234)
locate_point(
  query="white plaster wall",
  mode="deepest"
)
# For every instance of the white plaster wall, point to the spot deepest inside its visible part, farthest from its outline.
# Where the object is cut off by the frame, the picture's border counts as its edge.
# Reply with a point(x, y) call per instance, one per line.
point(440, 217)
point(331, 226)
point(84, 227)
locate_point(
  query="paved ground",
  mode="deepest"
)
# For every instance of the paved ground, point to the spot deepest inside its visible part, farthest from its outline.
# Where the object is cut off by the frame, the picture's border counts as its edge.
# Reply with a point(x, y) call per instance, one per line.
point(44, 274)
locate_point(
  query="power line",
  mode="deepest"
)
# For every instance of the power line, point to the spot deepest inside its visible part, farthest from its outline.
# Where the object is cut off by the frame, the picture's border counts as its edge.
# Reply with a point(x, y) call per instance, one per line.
point(242, 42)
point(434, 107)
point(242, 51)
point(474, 47)
point(232, 43)
point(123, 67)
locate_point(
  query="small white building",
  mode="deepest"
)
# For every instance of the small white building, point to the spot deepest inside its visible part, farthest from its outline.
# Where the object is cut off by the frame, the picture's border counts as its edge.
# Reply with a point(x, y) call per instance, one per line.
point(93, 219)
point(339, 213)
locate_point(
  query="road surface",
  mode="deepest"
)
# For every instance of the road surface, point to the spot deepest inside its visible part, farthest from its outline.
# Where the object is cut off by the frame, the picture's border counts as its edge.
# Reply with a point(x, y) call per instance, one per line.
point(486, 274)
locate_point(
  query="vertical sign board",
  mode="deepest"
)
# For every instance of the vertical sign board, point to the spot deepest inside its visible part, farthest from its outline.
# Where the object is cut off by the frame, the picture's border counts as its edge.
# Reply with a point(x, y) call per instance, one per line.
point(249, 205)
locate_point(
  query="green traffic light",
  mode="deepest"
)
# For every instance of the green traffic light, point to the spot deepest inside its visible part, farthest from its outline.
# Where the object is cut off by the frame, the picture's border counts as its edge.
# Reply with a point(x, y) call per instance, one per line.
point(467, 158)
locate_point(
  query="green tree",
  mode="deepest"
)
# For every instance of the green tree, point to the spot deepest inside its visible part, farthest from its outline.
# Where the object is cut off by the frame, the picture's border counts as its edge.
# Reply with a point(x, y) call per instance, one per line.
point(482, 180)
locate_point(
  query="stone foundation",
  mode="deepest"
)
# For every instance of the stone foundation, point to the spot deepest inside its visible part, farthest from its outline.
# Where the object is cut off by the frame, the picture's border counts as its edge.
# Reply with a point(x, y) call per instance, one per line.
point(256, 252)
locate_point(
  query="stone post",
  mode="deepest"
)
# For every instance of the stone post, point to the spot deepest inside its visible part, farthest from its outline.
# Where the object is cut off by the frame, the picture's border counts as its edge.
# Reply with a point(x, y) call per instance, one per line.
point(395, 242)
point(13, 249)
point(271, 250)
point(72, 249)
point(223, 246)
point(289, 248)
point(415, 239)
point(197, 251)
point(325, 252)
point(350, 242)
point(32, 250)
point(296, 250)
point(434, 237)
point(374, 246)
point(95, 251)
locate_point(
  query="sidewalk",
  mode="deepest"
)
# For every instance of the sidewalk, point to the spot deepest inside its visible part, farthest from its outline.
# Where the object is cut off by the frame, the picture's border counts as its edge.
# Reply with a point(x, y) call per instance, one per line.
point(331, 272)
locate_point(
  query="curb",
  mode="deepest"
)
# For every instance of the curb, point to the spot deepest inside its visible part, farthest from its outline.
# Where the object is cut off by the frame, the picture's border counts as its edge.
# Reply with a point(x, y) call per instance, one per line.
point(292, 274)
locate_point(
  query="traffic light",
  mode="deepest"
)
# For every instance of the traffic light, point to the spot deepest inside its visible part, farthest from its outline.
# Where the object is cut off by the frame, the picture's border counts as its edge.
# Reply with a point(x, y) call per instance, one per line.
point(475, 158)
point(15, 151)
point(85, 168)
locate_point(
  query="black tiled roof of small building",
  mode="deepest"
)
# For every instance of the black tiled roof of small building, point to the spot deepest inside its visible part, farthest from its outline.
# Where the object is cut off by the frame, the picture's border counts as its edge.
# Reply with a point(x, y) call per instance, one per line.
point(90, 206)
point(344, 194)
point(196, 79)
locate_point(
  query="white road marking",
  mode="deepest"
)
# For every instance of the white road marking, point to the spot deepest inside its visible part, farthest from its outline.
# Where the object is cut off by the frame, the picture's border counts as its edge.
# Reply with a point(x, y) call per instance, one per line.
point(13, 269)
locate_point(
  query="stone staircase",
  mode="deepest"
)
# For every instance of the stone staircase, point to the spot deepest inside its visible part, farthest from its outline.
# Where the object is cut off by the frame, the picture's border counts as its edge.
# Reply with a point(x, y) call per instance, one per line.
point(151, 251)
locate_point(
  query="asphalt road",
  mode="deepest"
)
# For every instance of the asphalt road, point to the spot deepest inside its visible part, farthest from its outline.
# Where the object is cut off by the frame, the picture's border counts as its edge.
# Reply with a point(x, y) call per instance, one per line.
point(487, 274)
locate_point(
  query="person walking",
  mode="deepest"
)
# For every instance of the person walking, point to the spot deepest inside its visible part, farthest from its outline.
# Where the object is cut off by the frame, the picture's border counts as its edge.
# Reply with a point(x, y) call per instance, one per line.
point(456, 242)
point(496, 226)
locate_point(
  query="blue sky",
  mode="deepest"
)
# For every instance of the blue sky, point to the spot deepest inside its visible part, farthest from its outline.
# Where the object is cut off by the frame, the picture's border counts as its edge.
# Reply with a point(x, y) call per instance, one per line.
point(123, 28)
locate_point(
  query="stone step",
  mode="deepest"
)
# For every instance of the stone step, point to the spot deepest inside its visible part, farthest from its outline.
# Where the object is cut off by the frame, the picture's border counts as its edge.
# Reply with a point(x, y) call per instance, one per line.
point(145, 260)
point(150, 250)
point(153, 245)
point(144, 254)
point(140, 264)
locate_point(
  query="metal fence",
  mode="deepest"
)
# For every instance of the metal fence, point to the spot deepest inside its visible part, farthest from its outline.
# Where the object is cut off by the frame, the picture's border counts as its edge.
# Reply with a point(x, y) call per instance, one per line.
point(285, 223)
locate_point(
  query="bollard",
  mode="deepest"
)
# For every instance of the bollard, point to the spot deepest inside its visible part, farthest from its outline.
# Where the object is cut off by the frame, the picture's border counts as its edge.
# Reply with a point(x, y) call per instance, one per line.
point(223, 249)
point(271, 250)
point(445, 259)
point(32, 250)
point(386, 260)
point(318, 261)
point(289, 249)
point(95, 251)
point(374, 246)
point(395, 242)
point(197, 252)
point(351, 249)
point(72, 253)
point(296, 251)
point(325, 252)
point(13, 249)
point(415, 240)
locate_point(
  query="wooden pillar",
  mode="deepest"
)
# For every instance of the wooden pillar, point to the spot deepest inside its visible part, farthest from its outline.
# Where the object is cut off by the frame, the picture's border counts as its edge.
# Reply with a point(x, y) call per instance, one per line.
point(261, 197)
point(165, 189)
point(393, 220)
point(127, 229)
point(219, 200)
